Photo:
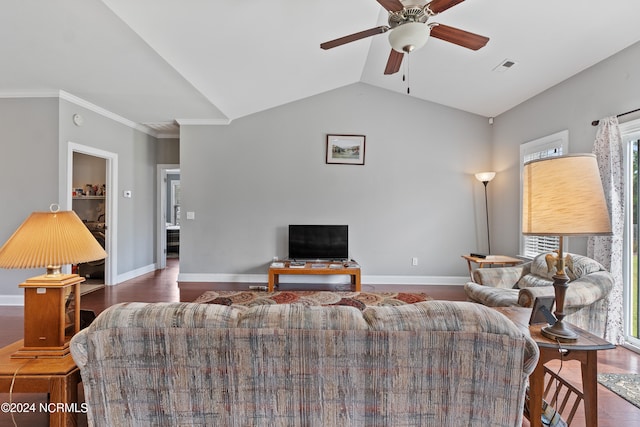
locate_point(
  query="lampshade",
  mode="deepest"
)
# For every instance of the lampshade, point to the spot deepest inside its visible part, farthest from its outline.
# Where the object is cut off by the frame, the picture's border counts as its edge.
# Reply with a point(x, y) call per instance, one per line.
point(485, 176)
point(563, 196)
point(50, 239)
point(409, 36)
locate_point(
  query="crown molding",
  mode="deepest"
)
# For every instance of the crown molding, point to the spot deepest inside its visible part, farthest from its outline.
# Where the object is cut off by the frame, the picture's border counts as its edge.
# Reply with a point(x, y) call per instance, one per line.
point(84, 104)
point(113, 116)
point(203, 122)
point(52, 94)
point(105, 113)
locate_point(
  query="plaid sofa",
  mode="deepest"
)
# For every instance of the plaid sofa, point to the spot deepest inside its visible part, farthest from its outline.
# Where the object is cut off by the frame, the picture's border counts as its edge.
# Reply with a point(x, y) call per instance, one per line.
point(432, 363)
point(585, 302)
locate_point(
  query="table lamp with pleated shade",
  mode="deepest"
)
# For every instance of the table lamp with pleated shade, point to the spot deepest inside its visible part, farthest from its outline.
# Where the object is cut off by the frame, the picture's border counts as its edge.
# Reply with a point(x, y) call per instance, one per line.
point(563, 196)
point(50, 240)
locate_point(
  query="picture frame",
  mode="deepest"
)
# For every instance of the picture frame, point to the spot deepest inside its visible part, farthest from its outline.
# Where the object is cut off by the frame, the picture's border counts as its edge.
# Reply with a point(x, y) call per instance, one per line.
point(345, 149)
point(541, 312)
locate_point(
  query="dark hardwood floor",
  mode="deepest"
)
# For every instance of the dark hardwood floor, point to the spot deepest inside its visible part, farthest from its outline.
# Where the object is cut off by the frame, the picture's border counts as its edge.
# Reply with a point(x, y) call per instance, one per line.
point(162, 285)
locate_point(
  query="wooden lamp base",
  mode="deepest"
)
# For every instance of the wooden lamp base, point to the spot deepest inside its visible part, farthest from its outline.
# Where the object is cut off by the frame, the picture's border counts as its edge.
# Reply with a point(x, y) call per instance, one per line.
point(47, 325)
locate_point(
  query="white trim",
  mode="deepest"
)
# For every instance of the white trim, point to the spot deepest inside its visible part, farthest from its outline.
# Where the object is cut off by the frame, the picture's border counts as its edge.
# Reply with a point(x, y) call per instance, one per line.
point(18, 300)
point(84, 104)
point(12, 300)
point(136, 273)
point(113, 116)
point(8, 95)
point(631, 347)
point(111, 206)
point(204, 122)
point(161, 219)
point(629, 127)
point(167, 135)
point(106, 113)
point(629, 131)
point(369, 280)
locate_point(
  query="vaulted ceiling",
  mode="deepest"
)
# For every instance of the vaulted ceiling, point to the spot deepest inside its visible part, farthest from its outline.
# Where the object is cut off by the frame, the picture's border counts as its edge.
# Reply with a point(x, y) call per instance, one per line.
point(157, 61)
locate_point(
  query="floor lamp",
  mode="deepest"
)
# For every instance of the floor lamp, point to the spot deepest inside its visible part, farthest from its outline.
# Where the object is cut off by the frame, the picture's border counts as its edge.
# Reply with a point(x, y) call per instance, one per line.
point(563, 196)
point(50, 240)
point(485, 178)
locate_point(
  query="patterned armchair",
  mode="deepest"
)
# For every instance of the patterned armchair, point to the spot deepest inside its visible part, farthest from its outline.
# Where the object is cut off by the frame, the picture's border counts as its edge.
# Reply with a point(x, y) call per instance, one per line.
point(585, 302)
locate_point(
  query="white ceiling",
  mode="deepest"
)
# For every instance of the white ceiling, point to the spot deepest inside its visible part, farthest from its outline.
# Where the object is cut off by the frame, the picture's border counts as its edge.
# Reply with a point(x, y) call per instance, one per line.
point(157, 61)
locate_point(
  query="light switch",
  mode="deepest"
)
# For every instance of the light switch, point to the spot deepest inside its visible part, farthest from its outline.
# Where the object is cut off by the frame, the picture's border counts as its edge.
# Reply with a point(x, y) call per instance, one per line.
point(191, 215)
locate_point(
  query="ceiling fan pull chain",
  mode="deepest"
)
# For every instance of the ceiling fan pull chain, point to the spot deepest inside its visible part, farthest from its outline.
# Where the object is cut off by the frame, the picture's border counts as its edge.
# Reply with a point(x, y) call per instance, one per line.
point(406, 65)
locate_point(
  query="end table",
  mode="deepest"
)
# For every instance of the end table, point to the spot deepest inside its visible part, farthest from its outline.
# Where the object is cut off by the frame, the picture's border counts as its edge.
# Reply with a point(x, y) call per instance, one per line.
point(584, 349)
point(502, 260)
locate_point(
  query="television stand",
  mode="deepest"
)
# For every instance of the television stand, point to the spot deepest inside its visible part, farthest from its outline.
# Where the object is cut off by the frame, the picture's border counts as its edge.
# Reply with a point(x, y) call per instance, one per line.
point(315, 268)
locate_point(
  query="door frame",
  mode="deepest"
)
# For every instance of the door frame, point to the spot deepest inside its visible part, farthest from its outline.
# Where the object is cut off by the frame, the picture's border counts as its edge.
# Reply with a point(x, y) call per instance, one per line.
point(111, 203)
point(161, 216)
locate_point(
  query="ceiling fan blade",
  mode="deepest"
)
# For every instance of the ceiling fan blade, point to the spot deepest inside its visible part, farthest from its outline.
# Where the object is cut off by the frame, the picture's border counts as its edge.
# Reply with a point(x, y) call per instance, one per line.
point(394, 62)
point(437, 6)
point(392, 5)
point(353, 37)
point(460, 37)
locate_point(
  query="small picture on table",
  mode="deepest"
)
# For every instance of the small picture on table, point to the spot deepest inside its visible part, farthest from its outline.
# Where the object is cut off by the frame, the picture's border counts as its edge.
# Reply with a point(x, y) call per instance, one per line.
point(542, 311)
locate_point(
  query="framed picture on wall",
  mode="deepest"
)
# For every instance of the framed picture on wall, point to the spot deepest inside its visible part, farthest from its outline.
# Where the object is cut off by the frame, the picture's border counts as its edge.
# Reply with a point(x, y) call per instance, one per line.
point(345, 149)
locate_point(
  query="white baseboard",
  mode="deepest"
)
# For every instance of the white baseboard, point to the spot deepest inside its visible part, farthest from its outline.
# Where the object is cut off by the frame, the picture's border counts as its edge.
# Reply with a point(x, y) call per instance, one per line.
point(18, 300)
point(14, 300)
point(221, 277)
point(135, 273)
point(370, 280)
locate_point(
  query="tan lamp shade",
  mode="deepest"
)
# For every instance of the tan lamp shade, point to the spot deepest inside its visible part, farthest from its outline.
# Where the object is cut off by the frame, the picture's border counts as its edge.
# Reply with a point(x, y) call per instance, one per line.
point(563, 196)
point(50, 239)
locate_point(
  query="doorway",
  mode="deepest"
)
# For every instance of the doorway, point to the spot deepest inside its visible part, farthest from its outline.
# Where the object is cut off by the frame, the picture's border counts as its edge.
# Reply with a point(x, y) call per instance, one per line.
point(89, 203)
point(92, 184)
point(168, 218)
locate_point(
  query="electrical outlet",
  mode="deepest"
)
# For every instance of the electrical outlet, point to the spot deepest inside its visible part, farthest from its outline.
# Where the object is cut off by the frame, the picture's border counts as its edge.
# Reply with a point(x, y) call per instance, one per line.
point(414, 261)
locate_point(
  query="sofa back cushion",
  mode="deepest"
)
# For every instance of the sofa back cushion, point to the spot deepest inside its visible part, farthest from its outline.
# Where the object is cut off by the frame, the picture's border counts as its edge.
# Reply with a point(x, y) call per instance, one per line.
point(166, 314)
point(299, 316)
point(439, 316)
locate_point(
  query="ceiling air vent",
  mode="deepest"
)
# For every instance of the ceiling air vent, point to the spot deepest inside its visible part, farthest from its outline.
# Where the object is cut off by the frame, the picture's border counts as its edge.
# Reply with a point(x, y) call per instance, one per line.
point(504, 66)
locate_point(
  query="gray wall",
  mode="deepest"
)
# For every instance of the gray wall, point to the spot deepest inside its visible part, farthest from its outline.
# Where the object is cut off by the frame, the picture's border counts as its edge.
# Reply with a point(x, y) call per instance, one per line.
point(28, 176)
point(415, 197)
point(36, 133)
point(136, 172)
point(608, 88)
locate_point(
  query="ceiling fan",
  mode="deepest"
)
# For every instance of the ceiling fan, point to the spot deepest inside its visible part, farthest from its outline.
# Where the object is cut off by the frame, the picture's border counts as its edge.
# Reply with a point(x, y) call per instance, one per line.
point(410, 30)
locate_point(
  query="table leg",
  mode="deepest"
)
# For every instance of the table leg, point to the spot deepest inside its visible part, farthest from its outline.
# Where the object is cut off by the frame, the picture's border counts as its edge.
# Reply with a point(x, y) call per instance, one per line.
point(470, 270)
point(64, 390)
point(355, 280)
point(590, 388)
point(536, 385)
point(273, 281)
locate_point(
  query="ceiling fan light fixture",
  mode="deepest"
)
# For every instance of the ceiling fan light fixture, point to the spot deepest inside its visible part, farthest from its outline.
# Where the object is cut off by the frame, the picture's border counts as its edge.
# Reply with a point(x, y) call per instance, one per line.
point(409, 36)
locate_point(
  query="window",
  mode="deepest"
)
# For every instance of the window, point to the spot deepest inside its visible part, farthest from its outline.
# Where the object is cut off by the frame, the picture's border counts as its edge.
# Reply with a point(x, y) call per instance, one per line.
point(549, 146)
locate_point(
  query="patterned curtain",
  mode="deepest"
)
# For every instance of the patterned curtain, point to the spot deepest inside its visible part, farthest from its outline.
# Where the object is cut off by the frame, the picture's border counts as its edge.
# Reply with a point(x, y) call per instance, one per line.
point(608, 250)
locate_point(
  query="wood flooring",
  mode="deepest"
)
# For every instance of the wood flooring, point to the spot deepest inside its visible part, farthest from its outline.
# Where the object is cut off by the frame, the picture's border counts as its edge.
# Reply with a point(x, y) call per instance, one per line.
point(161, 285)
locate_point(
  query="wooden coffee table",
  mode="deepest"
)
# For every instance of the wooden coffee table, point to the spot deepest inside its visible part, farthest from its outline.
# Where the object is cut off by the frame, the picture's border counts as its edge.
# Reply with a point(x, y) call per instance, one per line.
point(314, 268)
point(585, 350)
point(59, 377)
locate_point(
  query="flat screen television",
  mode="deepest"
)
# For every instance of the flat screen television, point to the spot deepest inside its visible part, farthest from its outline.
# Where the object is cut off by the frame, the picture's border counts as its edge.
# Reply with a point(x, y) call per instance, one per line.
point(310, 242)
